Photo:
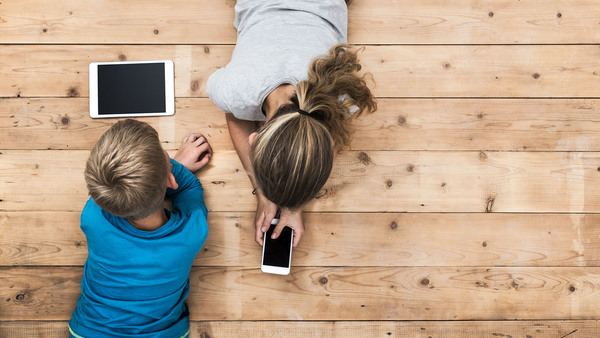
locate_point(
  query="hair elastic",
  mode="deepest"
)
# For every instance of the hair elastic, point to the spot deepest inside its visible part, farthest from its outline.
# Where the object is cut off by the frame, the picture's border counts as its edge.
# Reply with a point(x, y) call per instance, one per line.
point(303, 112)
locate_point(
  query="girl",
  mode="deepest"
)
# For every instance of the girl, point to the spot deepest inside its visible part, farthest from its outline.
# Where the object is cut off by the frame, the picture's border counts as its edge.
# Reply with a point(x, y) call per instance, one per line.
point(290, 157)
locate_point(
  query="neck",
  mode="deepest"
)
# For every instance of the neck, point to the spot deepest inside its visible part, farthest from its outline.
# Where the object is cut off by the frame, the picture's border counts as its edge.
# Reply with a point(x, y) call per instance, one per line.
point(152, 222)
point(277, 98)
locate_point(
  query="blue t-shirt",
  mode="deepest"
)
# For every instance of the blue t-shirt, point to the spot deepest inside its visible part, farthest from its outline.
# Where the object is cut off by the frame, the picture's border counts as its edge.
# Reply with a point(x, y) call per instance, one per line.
point(135, 282)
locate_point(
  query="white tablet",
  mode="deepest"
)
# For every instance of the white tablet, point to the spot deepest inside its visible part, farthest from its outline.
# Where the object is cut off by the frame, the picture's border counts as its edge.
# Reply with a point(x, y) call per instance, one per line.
point(132, 88)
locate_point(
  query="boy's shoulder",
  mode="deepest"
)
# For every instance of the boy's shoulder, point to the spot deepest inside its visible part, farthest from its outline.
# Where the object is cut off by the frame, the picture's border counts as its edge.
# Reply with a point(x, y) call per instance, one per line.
point(93, 214)
point(91, 208)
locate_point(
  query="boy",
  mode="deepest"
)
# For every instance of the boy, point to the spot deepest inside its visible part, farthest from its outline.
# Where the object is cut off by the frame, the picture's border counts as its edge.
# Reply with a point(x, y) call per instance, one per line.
point(136, 277)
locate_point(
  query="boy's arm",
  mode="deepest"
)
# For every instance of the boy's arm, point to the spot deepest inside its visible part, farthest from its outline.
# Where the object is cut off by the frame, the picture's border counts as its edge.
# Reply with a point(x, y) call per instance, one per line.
point(189, 195)
point(195, 152)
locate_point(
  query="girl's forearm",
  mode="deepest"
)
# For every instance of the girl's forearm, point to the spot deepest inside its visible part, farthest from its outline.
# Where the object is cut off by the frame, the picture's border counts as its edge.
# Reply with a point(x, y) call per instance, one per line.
point(240, 130)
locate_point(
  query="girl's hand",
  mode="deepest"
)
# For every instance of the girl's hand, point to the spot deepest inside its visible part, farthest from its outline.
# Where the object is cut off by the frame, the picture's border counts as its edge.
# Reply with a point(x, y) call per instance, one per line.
point(265, 212)
point(195, 152)
point(290, 219)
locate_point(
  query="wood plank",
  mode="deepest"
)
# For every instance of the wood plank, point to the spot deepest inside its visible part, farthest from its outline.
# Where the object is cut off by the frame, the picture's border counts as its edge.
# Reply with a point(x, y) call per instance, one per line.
point(480, 124)
point(473, 22)
point(62, 70)
point(405, 124)
point(484, 71)
point(370, 22)
point(400, 71)
point(159, 22)
point(292, 329)
point(424, 329)
point(66, 124)
point(378, 181)
point(343, 239)
point(369, 293)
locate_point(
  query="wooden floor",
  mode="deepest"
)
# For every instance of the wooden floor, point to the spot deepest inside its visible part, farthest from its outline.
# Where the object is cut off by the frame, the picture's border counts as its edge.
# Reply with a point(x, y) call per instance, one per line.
point(468, 206)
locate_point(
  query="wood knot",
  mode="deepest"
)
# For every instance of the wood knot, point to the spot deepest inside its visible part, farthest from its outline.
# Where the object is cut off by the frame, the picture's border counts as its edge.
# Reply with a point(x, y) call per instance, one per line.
point(20, 296)
point(424, 281)
point(237, 225)
point(206, 50)
point(482, 155)
point(73, 92)
point(491, 14)
point(389, 183)
point(410, 168)
point(514, 283)
point(401, 120)
point(489, 204)
point(77, 244)
point(559, 15)
point(535, 75)
point(394, 225)
point(156, 32)
point(480, 115)
point(321, 193)
point(195, 85)
point(218, 182)
point(447, 65)
point(323, 280)
point(122, 57)
point(65, 120)
point(572, 288)
point(364, 158)
point(481, 284)
point(443, 185)
point(45, 30)
point(484, 244)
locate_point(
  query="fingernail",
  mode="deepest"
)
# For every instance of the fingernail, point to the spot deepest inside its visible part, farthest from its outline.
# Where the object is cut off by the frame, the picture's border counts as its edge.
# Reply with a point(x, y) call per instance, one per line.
point(273, 236)
point(263, 229)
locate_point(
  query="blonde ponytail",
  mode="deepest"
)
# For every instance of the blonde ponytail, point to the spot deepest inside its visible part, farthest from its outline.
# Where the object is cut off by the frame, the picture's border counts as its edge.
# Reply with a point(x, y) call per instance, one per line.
point(332, 89)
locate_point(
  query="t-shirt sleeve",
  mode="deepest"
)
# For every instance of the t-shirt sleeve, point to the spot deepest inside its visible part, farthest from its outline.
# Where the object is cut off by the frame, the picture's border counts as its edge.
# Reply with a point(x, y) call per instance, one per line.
point(216, 88)
point(189, 195)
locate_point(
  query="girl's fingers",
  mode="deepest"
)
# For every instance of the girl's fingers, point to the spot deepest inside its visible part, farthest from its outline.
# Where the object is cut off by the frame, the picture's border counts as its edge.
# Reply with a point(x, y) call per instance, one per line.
point(277, 230)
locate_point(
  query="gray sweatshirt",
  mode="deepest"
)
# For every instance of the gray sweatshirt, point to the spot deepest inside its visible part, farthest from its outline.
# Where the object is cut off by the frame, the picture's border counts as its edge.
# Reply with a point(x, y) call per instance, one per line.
point(276, 41)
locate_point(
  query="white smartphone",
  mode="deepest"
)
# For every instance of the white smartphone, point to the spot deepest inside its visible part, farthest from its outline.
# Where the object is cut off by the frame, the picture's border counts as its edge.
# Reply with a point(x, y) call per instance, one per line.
point(277, 253)
point(132, 89)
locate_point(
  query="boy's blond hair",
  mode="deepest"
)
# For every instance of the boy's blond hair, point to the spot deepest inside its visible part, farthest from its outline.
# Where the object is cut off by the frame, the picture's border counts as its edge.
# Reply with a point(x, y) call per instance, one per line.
point(126, 173)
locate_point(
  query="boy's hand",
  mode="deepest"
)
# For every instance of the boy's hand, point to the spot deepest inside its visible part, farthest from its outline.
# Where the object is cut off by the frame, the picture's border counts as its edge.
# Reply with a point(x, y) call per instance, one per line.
point(290, 219)
point(195, 152)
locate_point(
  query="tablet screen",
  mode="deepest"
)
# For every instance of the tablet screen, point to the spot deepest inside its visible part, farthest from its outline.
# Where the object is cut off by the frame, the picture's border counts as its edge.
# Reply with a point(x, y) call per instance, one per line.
point(131, 88)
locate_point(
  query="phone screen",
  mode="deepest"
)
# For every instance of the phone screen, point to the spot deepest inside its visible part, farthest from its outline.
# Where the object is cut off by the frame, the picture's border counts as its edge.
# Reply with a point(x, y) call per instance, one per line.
point(277, 251)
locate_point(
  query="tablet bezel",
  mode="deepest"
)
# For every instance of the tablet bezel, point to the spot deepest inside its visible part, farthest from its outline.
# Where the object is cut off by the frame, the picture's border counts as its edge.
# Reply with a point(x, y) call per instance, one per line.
point(169, 89)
